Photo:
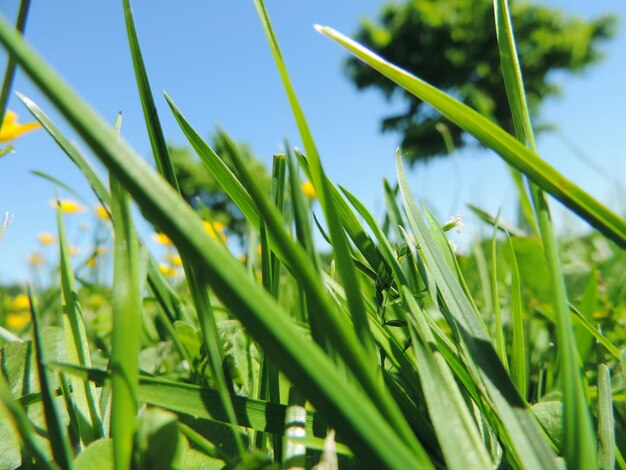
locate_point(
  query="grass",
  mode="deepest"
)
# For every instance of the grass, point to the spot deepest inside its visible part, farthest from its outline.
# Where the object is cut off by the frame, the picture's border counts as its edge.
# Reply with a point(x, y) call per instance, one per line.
point(509, 356)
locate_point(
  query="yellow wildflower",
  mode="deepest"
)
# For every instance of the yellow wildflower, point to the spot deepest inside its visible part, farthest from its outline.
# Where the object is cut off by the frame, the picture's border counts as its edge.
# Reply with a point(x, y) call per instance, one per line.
point(167, 270)
point(35, 259)
point(46, 238)
point(215, 229)
point(308, 189)
point(73, 250)
point(161, 238)
point(17, 320)
point(68, 206)
point(102, 213)
point(91, 262)
point(174, 259)
point(21, 302)
point(11, 129)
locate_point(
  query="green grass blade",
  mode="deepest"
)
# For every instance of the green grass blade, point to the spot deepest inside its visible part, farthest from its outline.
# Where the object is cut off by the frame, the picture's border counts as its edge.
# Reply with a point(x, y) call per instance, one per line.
point(341, 249)
point(9, 71)
point(157, 139)
point(89, 423)
point(527, 444)
point(606, 425)
point(56, 432)
point(489, 134)
point(518, 342)
point(352, 413)
point(126, 334)
point(579, 439)
point(500, 343)
point(447, 409)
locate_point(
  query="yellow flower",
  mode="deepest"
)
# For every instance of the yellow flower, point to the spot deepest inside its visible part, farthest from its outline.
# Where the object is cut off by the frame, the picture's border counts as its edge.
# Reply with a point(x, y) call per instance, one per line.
point(215, 229)
point(21, 302)
point(17, 320)
point(167, 270)
point(68, 206)
point(308, 189)
point(174, 259)
point(46, 238)
point(73, 250)
point(91, 262)
point(102, 213)
point(11, 129)
point(161, 238)
point(35, 259)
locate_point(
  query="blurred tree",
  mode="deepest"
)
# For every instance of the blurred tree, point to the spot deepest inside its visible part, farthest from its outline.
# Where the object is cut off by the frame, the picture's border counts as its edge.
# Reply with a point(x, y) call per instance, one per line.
point(452, 45)
point(203, 192)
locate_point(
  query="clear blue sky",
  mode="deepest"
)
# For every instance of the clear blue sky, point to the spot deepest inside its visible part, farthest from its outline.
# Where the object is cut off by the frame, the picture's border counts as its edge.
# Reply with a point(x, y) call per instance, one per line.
point(213, 60)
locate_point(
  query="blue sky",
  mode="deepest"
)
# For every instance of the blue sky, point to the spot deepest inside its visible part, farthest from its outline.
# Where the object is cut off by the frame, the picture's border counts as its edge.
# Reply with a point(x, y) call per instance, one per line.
point(212, 58)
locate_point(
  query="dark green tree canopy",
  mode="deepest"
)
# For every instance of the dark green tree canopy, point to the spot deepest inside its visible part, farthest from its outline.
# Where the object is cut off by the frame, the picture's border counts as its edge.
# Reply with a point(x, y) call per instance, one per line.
point(452, 45)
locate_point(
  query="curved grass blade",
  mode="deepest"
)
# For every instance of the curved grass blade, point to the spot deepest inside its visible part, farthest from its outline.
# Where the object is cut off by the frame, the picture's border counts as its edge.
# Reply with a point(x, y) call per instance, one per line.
point(526, 442)
point(353, 415)
point(489, 134)
point(341, 249)
point(579, 440)
point(56, 432)
point(447, 409)
point(58, 183)
point(518, 343)
point(89, 423)
point(9, 72)
point(126, 334)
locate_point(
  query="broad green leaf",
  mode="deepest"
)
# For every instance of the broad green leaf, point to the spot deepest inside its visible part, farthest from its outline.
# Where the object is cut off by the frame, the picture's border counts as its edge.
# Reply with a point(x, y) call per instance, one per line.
point(98, 454)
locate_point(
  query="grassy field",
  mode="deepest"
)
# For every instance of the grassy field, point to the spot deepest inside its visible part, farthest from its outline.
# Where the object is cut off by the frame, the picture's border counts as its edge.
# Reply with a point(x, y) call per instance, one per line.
point(387, 350)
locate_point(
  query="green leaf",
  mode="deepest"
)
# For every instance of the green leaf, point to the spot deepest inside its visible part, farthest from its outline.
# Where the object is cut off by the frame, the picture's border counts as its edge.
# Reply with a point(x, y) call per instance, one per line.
point(157, 441)
point(98, 454)
point(606, 424)
point(518, 343)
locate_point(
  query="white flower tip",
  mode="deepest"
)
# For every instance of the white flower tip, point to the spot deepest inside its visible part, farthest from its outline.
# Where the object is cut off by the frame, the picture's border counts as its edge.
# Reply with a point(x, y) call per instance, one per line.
point(320, 29)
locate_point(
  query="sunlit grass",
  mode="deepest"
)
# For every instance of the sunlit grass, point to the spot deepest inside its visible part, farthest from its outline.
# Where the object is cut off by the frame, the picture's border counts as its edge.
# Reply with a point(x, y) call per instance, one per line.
point(419, 357)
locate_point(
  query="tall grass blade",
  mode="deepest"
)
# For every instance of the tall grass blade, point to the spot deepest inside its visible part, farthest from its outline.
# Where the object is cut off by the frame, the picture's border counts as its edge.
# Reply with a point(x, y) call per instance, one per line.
point(489, 134)
point(56, 432)
point(579, 441)
point(126, 334)
point(606, 424)
point(518, 342)
point(9, 71)
point(527, 444)
point(341, 249)
point(157, 139)
point(500, 343)
point(353, 414)
point(447, 409)
point(89, 423)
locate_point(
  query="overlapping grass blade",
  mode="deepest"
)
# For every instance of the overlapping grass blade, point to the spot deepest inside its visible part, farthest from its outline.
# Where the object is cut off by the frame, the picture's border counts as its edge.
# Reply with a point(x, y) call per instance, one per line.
point(518, 342)
point(56, 432)
point(500, 343)
point(497, 222)
point(448, 411)
point(89, 423)
point(58, 183)
point(579, 441)
point(341, 250)
point(606, 424)
point(9, 71)
point(488, 133)
point(126, 334)
point(526, 442)
point(353, 414)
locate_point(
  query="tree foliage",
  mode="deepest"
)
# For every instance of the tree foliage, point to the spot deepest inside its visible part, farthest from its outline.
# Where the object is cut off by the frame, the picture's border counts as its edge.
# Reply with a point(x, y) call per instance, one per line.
point(201, 190)
point(452, 45)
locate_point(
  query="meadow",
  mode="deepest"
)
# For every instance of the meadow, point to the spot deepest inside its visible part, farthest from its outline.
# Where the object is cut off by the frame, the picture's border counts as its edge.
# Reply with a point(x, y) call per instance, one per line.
point(381, 348)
